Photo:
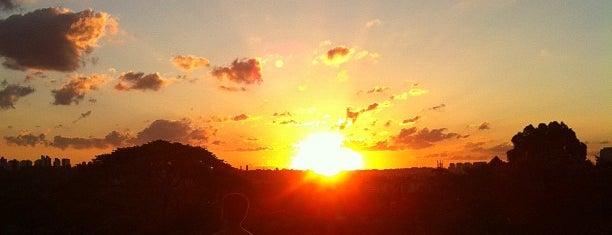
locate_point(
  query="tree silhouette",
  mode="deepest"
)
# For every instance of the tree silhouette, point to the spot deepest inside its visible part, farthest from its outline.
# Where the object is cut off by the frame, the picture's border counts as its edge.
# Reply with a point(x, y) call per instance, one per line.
point(547, 145)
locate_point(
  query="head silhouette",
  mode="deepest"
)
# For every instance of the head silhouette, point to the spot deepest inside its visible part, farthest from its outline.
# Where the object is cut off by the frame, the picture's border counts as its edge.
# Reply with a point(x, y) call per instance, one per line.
point(235, 207)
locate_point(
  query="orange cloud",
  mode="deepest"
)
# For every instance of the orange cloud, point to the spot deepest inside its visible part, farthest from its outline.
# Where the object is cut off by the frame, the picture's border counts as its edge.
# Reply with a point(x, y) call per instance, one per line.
point(189, 62)
point(74, 90)
point(246, 71)
point(52, 38)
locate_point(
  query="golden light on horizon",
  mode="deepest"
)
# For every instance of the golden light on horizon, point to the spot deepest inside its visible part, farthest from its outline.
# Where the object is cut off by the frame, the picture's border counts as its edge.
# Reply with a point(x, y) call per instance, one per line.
point(324, 154)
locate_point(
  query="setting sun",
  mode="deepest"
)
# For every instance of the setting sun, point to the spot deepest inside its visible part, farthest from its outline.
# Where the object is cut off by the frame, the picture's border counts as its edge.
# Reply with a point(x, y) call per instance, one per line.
point(324, 154)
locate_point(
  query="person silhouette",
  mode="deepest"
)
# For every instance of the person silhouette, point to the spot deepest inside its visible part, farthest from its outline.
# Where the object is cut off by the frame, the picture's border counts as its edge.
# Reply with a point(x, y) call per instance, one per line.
point(235, 209)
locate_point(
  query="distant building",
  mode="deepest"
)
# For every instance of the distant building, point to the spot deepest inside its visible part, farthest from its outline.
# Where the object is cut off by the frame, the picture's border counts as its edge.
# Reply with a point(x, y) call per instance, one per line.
point(57, 162)
point(605, 154)
point(44, 161)
point(3, 163)
point(13, 165)
point(462, 167)
point(25, 163)
point(65, 162)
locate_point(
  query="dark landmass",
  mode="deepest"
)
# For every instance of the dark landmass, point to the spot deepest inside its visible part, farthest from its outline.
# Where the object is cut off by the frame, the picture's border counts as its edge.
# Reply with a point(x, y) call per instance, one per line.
point(171, 188)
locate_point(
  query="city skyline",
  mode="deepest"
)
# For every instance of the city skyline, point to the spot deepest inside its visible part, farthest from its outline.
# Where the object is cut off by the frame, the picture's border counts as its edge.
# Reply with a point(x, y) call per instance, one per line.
point(404, 83)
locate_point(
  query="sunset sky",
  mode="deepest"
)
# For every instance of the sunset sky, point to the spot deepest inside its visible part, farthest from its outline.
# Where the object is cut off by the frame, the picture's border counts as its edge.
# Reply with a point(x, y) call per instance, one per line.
point(406, 83)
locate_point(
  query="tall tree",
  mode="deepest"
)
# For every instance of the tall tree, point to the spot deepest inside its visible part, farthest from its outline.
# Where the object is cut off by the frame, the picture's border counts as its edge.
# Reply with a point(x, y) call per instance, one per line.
point(552, 144)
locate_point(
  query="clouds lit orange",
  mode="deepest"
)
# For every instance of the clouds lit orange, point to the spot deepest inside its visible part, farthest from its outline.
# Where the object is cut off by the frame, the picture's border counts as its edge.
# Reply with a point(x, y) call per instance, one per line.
point(379, 85)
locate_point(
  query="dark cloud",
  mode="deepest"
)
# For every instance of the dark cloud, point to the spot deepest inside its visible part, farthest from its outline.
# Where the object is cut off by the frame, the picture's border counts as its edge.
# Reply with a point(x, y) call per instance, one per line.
point(371, 107)
point(484, 126)
point(189, 62)
point(283, 114)
point(246, 71)
point(140, 81)
point(352, 115)
point(232, 88)
point(7, 5)
point(253, 149)
point(240, 117)
point(438, 107)
point(177, 131)
point(413, 138)
point(377, 89)
point(74, 90)
point(113, 139)
point(10, 94)
point(83, 115)
point(287, 122)
point(604, 142)
point(51, 38)
point(338, 52)
point(26, 140)
point(409, 120)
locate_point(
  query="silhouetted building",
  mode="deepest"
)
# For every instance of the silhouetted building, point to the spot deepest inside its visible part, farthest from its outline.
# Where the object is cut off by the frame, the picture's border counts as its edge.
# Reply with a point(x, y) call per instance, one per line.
point(44, 161)
point(605, 154)
point(3, 163)
point(25, 163)
point(57, 162)
point(462, 167)
point(13, 165)
point(65, 162)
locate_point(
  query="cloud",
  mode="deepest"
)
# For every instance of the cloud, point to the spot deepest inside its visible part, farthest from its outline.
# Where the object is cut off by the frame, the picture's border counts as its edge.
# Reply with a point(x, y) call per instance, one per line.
point(177, 131)
point(247, 71)
point(411, 120)
point(252, 149)
point(417, 91)
point(372, 23)
point(11, 94)
point(189, 62)
point(240, 117)
point(113, 139)
point(413, 138)
point(26, 140)
point(484, 126)
point(140, 81)
point(283, 114)
point(52, 38)
point(479, 147)
point(232, 88)
point(377, 89)
point(74, 90)
point(7, 5)
point(438, 107)
point(417, 139)
point(83, 115)
point(338, 55)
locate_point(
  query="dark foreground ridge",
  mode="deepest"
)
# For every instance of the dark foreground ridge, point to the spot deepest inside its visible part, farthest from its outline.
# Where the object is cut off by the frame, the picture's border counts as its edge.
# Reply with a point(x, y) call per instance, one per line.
point(547, 187)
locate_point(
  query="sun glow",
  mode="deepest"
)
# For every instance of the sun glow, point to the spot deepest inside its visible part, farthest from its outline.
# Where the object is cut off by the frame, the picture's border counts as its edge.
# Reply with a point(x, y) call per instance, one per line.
point(324, 154)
